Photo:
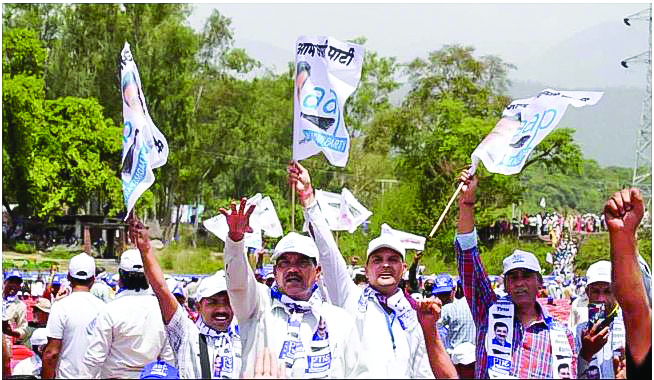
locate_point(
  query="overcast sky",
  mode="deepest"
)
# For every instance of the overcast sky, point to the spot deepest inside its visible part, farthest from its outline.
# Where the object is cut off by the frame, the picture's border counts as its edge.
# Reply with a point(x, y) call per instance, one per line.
point(518, 33)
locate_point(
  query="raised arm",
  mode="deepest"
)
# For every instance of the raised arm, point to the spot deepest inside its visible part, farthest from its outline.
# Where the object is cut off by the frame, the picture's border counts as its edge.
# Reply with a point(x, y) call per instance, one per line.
point(241, 283)
point(153, 272)
point(333, 265)
point(624, 211)
point(441, 365)
point(476, 286)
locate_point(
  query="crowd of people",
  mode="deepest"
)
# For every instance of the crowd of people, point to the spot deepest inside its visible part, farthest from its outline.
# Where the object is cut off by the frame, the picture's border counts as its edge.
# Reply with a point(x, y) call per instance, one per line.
point(552, 224)
point(311, 315)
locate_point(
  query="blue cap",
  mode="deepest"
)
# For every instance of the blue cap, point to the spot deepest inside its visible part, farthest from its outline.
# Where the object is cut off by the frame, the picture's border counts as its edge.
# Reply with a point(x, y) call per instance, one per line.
point(443, 284)
point(179, 291)
point(14, 273)
point(159, 370)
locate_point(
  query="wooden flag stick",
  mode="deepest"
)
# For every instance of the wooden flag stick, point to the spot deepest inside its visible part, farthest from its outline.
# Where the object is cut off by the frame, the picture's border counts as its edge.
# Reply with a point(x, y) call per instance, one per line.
point(293, 207)
point(446, 209)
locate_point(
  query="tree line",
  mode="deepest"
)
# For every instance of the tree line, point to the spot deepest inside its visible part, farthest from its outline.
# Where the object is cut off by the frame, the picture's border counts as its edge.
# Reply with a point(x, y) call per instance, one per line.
point(230, 133)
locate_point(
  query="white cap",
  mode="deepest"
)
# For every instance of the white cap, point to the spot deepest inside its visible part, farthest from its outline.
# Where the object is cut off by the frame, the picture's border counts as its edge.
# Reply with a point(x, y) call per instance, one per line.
point(172, 283)
point(211, 285)
point(39, 337)
point(130, 261)
point(81, 267)
point(521, 259)
point(386, 241)
point(463, 353)
point(599, 272)
point(294, 242)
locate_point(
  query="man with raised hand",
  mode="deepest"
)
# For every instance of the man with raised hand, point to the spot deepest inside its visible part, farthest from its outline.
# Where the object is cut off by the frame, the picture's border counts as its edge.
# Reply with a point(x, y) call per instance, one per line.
point(208, 348)
point(69, 318)
point(536, 344)
point(393, 342)
point(596, 343)
point(624, 212)
point(312, 338)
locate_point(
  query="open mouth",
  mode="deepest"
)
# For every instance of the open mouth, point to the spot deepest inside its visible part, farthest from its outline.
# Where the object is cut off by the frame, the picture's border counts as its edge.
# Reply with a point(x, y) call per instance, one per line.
point(293, 279)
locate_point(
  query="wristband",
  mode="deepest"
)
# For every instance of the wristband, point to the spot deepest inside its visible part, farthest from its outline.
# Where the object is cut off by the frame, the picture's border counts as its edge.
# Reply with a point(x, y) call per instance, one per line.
point(304, 195)
point(469, 203)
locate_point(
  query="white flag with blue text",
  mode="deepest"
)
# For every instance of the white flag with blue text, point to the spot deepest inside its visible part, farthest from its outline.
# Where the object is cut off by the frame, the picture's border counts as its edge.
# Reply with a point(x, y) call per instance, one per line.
point(144, 146)
point(327, 71)
point(524, 124)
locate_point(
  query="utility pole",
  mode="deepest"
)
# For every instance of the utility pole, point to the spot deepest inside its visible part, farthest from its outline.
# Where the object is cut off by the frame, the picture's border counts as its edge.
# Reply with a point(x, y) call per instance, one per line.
point(642, 175)
point(384, 181)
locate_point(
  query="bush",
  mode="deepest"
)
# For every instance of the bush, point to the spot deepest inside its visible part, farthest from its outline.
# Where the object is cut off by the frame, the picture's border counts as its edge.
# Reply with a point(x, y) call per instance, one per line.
point(180, 260)
point(23, 247)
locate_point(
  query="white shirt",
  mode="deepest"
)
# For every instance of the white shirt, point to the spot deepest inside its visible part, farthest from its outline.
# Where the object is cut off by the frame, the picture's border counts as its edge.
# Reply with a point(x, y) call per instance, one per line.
point(37, 289)
point(69, 318)
point(30, 366)
point(126, 336)
point(263, 322)
point(101, 290)
point(409, 357)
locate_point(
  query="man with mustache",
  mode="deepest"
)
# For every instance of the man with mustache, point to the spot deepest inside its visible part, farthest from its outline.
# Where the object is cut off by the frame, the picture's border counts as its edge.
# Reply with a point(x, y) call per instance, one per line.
point(208, 348)
point(288, 317)
point(392, 339)
point(536, 335)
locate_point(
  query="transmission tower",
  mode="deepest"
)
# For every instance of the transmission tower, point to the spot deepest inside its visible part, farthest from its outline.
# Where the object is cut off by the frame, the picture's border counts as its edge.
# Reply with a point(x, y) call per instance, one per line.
point(642, 177)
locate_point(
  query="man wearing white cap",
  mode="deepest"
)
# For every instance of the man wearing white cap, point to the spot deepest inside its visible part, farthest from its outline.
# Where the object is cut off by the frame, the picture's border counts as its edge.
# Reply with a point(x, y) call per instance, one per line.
point(16, 323)
point(128, 334)
point(311, 338)
point(32, 365)
point(208, 348)
point(69, 317)
point(392, 339)
point(597, 342)
point(536, 345)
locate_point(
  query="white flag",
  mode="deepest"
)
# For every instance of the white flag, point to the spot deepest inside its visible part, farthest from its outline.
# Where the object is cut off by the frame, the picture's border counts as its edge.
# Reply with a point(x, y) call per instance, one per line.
point(410, 241)
point(343, 212)
point(542, 202)
point(144, 146)
point(524, 124)
point(327, 72)
point(218, 226)
point(268, 219)
point(353, 213)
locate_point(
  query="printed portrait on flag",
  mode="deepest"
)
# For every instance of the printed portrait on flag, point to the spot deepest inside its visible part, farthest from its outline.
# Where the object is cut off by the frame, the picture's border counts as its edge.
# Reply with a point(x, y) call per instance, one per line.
point(327, 72)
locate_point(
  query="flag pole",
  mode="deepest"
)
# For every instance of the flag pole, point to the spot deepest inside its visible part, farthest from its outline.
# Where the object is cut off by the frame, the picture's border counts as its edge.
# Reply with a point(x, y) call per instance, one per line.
point(433, 230)
point(293, 207)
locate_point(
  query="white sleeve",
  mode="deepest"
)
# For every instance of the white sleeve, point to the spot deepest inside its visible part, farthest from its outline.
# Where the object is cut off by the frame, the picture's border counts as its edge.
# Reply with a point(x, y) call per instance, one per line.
point(99, 344)
point(337, 279)
point(56, 322)
point(420, 368)
point(241, 283)
point(177, 330)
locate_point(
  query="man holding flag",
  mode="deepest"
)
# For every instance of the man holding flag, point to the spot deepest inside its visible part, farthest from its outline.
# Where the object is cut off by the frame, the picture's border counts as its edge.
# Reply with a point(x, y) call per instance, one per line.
point(392, 339)
point(538, 344)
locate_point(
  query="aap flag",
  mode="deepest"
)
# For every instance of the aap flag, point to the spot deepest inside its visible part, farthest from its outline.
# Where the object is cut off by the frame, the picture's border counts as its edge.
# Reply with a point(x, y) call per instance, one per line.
point(343, 211)
point(144, 147)
point(524, 124)
point(327, 72)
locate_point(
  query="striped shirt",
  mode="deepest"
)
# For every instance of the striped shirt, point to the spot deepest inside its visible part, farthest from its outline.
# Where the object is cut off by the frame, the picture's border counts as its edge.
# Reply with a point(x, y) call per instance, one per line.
point(456, 316)
point(532, 350)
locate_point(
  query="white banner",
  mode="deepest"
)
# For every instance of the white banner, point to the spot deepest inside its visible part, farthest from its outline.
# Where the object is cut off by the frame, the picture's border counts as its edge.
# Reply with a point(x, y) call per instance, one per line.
point(353, 213)
point(410, 241)
point(327, 72)
point(549, 258)
point(144, 146)
point(524, 124)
